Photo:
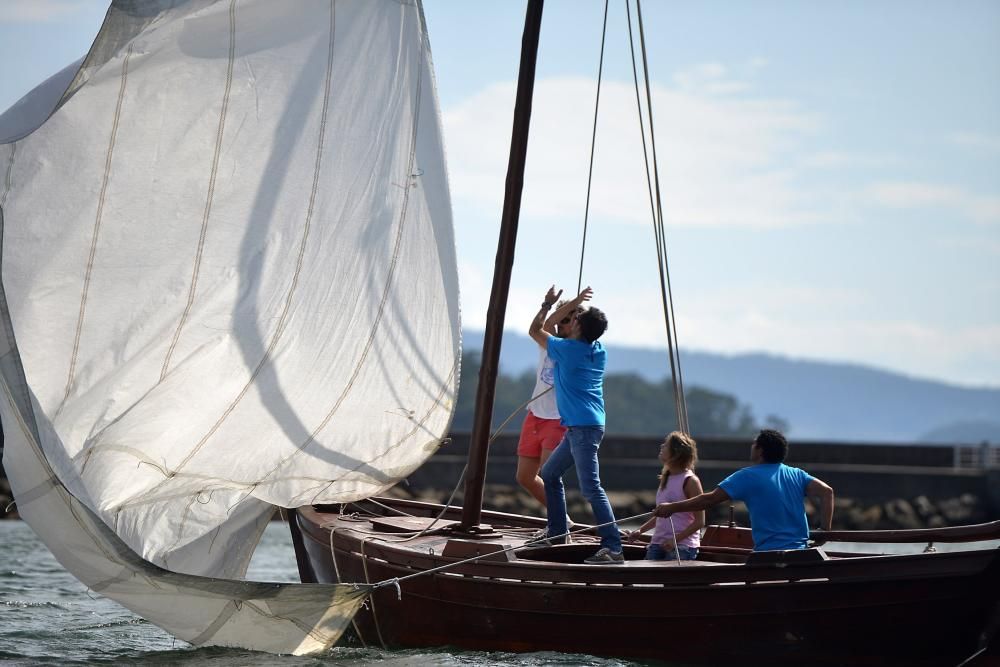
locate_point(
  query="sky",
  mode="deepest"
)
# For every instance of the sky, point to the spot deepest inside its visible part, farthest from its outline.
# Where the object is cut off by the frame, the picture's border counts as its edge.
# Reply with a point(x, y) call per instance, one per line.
point(830, 172)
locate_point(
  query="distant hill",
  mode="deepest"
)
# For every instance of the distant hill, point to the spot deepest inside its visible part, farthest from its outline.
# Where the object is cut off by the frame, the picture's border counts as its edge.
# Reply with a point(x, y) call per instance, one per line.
point(969, 432)
point(820, 400)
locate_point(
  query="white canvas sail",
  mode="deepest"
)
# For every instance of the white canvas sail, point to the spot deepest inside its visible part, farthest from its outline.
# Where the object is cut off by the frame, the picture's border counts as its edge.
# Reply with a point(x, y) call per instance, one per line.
point(229, 283)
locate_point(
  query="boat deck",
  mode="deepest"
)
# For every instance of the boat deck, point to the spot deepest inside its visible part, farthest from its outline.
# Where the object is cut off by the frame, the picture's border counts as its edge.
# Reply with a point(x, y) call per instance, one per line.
point(506, 537)
point(498, 595)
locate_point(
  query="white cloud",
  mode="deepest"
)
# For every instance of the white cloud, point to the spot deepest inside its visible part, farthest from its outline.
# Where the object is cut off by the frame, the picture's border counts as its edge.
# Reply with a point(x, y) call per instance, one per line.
point(40, 11)
point(721, 158)
point(990, 246)
point(709, 79)
point(843, 160)
point(978, 208)
point(771, 320)
point(977, 141)
point(726, 162)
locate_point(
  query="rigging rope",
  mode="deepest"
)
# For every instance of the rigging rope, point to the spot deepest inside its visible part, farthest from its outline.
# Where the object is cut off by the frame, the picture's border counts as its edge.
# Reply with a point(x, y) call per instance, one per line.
point(395, 581)
point(461, 476)
point(655, 203)
point(666, 294)
point(593, 144)
point(336, 573)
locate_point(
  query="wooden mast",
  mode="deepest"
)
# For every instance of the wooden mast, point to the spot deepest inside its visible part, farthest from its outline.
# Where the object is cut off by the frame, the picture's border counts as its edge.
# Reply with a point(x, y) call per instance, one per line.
point(479, 445)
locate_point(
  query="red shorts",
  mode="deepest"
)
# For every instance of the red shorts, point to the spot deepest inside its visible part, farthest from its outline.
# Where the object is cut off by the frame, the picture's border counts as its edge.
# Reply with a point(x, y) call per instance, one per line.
point(538, 434)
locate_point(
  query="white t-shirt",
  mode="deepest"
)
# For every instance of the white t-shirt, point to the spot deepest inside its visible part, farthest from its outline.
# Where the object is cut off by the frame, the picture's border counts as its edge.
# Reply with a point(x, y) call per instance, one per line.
point(544, 407)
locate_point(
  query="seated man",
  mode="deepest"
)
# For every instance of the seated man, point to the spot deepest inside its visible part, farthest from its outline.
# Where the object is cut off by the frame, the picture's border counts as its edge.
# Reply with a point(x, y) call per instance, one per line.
point(773, 492)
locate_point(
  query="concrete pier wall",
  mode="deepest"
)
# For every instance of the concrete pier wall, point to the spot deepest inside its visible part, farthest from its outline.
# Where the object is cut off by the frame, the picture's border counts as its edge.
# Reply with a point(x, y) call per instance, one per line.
point(868, 473)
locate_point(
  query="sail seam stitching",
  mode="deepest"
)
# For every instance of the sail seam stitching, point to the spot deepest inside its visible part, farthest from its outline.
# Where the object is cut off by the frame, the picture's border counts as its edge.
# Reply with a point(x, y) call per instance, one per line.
point(97, 226)
point(279, 330)
point(133, 565)
point(57, 484)
point(388, 283)
point(210, 195)
point(416, 427)
point(283, 319)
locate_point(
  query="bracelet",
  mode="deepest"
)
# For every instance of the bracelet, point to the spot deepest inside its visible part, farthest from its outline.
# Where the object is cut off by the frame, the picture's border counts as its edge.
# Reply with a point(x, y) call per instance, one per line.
point(546, 305)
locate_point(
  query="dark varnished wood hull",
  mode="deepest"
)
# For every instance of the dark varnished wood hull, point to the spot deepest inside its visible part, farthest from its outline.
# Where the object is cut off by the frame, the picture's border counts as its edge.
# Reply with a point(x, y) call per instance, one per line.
point(921, 609)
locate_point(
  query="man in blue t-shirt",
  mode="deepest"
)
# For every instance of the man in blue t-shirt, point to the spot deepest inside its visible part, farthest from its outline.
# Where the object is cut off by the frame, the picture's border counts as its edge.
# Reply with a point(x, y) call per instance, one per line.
point(579, 363)
point(773, 492)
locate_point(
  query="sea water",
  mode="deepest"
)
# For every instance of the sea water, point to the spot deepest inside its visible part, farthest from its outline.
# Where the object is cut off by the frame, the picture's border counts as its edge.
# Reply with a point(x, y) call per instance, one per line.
point(47, 617)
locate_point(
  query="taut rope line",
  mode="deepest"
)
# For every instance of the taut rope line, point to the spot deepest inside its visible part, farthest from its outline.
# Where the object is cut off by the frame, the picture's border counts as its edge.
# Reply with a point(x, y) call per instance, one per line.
point(395, 581)
point(656, 209)
point(593, 144)
point(447, 504)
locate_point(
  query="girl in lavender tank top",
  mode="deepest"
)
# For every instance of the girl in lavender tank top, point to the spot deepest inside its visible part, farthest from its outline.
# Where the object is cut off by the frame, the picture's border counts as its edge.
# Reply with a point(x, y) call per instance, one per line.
point(678, 453)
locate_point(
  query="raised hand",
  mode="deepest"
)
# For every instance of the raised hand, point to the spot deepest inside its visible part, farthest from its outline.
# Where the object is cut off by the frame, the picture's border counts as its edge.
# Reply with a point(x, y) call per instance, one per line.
point(552, 295)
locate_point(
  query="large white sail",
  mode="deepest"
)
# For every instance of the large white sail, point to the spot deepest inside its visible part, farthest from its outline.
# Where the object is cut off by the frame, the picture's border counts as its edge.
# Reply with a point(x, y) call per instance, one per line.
point(229, 281)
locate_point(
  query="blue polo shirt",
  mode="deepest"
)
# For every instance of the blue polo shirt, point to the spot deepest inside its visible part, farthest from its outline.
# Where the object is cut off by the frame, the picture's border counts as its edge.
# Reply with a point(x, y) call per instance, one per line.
point(579, 380)
point(774, 493)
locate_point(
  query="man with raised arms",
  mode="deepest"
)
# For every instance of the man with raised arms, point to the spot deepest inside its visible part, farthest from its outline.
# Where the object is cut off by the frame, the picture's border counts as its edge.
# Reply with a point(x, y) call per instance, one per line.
point(579, 364)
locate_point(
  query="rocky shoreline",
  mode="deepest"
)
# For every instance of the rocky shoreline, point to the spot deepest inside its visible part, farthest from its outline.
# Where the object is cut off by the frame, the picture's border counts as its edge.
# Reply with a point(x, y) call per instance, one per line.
point(900, 513)
point(896, 514)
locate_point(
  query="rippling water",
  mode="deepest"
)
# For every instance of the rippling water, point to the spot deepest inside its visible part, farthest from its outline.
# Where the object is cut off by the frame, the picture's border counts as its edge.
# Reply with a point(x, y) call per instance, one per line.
point(49, 618)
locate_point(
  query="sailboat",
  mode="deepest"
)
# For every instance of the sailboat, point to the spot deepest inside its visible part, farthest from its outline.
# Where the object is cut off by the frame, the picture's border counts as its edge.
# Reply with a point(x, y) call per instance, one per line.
point(229, 284)
point(463, 577)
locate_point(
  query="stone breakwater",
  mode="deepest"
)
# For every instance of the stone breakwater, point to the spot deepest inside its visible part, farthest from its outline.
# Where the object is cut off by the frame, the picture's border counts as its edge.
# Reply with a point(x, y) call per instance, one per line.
point(899, 513)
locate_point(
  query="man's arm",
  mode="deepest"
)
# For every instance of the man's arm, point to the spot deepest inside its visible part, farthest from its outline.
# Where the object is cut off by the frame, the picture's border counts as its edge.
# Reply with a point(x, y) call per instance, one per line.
point(819, 489)
point(567, 309)
point(539, 325)
point(699, 502)
point(537, 329)
point(555, 318)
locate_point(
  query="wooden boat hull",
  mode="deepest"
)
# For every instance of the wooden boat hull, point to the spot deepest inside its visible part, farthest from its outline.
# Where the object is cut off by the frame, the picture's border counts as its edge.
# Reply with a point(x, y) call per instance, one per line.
point(918, 609)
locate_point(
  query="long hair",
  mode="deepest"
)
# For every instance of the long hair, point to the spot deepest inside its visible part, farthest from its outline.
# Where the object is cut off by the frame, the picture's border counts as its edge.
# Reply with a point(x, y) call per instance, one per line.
point(682, 449)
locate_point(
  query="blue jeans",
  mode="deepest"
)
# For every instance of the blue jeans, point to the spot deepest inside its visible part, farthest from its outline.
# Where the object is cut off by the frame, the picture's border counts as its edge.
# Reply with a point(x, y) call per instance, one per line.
point(579, 446)
point(657, 552)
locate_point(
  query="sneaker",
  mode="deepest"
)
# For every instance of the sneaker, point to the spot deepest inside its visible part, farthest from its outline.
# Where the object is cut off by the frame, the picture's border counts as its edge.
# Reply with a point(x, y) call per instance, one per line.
point(605, 556)
point(539, 535)
point(541, 539)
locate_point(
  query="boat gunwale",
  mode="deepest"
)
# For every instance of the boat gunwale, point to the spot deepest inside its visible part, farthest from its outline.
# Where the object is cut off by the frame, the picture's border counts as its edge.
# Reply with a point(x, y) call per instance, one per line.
point(347, 540)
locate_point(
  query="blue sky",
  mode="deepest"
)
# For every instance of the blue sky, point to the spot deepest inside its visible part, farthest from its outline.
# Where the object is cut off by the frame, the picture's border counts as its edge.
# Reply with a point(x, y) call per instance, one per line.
point(831, 171)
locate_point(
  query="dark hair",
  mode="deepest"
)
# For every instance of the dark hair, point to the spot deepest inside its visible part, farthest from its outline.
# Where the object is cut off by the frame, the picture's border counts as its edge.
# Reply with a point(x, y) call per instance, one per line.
point(773, 446)
point(593, 323)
